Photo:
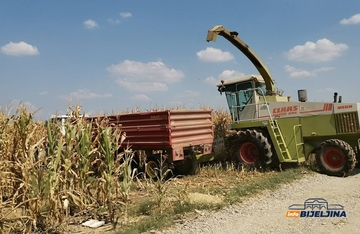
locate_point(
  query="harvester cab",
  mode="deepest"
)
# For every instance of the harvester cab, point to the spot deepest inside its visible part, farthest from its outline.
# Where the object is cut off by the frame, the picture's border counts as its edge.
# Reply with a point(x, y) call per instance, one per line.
point(243, 95)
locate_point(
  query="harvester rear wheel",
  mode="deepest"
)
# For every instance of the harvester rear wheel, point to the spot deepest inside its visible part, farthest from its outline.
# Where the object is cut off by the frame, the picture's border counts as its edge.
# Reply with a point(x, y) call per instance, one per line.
point(335, 157)
point(253, 149)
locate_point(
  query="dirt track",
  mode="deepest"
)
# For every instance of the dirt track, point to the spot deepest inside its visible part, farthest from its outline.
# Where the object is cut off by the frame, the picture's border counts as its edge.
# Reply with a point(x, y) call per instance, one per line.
point(266, 213)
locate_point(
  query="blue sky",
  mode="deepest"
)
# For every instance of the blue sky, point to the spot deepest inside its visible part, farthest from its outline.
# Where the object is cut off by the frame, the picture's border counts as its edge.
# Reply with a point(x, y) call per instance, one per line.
point(113, 56)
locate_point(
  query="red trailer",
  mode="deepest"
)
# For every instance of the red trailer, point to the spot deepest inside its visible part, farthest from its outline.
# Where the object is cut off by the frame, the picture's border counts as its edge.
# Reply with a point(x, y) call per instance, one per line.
point(175, 137)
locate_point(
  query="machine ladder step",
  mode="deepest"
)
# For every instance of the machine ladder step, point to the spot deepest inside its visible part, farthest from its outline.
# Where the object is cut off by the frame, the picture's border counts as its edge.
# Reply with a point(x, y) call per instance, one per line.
point(280, 141)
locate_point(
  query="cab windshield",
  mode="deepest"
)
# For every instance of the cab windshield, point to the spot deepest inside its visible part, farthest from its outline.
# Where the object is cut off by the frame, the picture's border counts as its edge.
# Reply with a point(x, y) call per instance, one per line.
point(240, 97)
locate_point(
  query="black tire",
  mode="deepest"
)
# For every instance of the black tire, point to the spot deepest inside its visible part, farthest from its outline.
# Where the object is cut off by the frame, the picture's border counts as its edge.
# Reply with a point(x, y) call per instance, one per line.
point(252, 149)
point(190, 166)
point(335, 157)
point(157, 167)
point(230, 145)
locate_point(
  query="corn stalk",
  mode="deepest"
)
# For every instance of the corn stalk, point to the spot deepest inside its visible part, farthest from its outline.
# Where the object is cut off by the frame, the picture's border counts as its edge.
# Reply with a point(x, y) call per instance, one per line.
point(108, 139)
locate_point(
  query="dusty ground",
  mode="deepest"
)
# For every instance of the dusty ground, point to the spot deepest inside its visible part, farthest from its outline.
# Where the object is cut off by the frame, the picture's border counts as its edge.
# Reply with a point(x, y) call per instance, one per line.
point(266, 213)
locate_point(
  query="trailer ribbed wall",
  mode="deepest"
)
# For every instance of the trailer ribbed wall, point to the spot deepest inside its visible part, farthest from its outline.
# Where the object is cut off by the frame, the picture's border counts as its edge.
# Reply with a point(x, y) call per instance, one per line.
point(167, 130)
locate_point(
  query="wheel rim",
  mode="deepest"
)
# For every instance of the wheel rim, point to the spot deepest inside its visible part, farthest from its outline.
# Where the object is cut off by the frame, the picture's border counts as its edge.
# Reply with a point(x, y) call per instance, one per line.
point(334, 158)
point(150, 168)
point(249, 153)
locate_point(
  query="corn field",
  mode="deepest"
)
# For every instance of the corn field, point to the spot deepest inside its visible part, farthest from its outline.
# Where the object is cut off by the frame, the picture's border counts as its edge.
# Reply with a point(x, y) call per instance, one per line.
point(47, 177)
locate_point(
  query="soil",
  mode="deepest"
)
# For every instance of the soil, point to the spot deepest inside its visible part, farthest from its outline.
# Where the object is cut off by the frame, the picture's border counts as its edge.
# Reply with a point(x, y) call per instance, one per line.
point(266, 212)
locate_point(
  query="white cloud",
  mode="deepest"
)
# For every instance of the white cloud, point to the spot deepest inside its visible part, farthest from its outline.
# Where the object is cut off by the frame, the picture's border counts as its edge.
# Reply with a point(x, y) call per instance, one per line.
point(125, 15)
point(211, 80)
point(141, 97)
point(226, 74)
point(188, 94)
point(85, 94)
point(211, 54)
point(323, 69)
point(142, 86)
point(297, 73)
point(330, 89)
point(301, 73)
point(355, 19)
point(15, 104)
point(114, 21)
point(19, 49)
point(321, 51)
point(229, 74)
point(91, 24)
point(138, 76)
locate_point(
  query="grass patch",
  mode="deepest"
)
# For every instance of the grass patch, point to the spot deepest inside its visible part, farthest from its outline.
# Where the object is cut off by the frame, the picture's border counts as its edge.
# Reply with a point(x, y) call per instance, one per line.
point(271, 183)
point(186, 207)
point(232, 185)
point(143, 208)
point(155, 221)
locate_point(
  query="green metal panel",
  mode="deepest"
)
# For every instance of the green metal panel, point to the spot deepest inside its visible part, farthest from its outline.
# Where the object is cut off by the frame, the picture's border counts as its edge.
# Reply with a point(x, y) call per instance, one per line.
point(292, 135)
point(278, 141)
point(318, 125)
point(248, 124)
point(342, 126)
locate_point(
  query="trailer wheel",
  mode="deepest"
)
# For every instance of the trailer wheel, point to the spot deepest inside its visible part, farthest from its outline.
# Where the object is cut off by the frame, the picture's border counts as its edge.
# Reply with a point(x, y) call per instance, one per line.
point(253, 149)
point(157, 168)
point(335, 157)
point(189, 167)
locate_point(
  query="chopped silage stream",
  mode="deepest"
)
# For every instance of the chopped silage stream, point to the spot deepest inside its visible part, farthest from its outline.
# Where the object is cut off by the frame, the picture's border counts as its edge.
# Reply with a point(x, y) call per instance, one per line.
point(266, 212)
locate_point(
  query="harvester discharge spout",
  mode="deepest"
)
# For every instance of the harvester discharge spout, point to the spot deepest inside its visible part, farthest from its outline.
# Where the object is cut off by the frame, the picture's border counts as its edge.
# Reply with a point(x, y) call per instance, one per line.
point(233, 38)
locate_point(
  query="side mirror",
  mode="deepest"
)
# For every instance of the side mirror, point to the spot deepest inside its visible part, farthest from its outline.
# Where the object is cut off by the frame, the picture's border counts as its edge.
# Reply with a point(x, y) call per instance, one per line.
point(221, 89)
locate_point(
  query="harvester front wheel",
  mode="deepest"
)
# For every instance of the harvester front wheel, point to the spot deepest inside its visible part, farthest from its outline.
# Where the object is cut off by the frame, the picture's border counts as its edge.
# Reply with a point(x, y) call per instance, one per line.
point(253, 149)
point(335, 157)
